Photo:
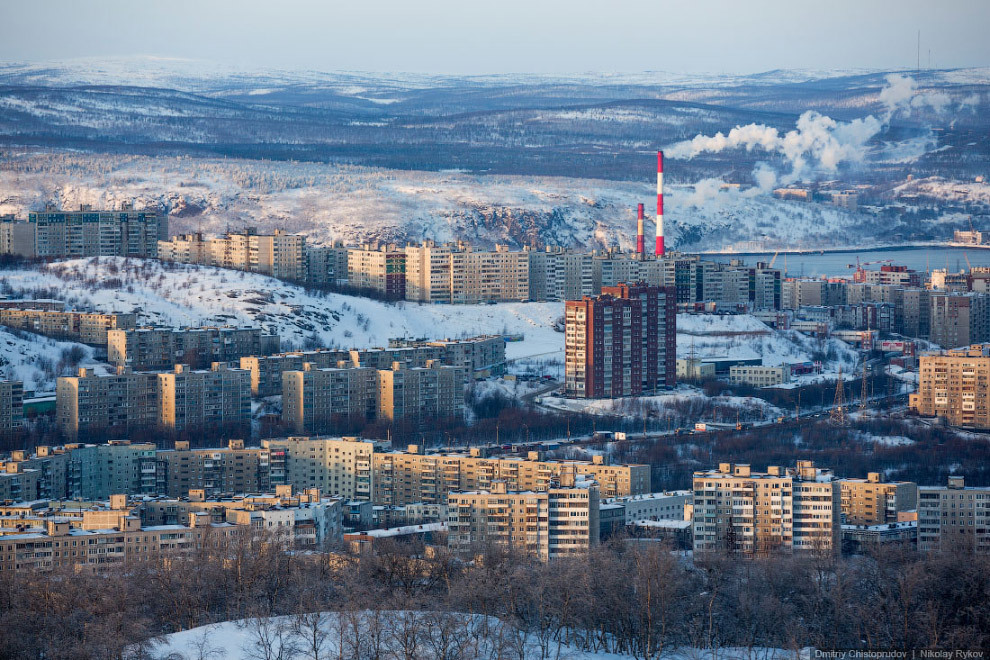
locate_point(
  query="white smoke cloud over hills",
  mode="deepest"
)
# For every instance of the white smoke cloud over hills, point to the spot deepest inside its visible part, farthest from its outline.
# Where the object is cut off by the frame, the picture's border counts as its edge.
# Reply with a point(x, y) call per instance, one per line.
point(819, 145)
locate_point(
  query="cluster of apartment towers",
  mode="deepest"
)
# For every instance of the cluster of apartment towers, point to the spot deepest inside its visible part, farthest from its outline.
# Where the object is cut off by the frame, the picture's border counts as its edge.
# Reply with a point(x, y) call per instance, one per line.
point(174, 500)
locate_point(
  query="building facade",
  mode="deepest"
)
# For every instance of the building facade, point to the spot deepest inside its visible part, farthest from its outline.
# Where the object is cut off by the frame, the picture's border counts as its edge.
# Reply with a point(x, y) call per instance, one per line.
point(621, 343)
point(955, 385)
point(561, 521)
point(954, 518)
point(780, 510)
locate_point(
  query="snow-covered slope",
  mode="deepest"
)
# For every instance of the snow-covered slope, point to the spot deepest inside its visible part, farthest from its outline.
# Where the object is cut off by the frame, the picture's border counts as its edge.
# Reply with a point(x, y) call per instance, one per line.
point(178, 294)
point(356, 204)
point(37, 361)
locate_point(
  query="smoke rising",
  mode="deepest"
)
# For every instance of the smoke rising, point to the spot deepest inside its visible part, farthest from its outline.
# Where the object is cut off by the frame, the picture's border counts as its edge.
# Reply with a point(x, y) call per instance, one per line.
point(817, 143)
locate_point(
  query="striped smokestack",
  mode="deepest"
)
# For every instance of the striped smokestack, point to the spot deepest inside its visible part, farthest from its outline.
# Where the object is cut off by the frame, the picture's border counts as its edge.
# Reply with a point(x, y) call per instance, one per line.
point(659, 203)
point(640, 240)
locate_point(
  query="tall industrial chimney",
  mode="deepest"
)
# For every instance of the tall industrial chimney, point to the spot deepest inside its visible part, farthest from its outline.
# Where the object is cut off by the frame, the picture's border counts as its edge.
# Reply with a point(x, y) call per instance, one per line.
point(659, 203)
point(640, 240)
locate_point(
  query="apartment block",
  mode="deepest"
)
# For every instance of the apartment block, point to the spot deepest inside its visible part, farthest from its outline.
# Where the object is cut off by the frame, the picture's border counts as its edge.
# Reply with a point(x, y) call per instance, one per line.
point(11, 406)
point(215, 471)
point(84, 233)
point(266, 370)
point(459, 274)
point(421, 394)
point(872, 501)
point(340, 466)
point(621, 343)
point(111, 535)
point(19, 484)
point(409, 477)
point(557, 274)
point(378, 268)
point(315, 400)
point(561, 521)
point(219, 397)
point(115, 403)
point(751, 513)
point(162, 348)
point(954, 518)
point(955, 385)
point(959, 319)
point(480, 356)
point(84, 327)
point(98, 471)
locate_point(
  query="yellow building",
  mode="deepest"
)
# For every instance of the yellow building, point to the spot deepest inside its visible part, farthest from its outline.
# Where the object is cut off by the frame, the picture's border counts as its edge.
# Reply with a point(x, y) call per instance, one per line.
point(754, 513)
point(561, 521)
point(955, 385)
point(872, 501)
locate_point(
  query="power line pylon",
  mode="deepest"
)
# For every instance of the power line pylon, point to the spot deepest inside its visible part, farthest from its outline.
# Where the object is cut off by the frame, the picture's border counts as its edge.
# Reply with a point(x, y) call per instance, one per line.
point(838, 412)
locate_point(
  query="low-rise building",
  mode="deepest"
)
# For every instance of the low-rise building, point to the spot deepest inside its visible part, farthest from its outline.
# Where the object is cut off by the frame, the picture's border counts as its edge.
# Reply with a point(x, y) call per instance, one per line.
point(759, 376)
point(672, 505)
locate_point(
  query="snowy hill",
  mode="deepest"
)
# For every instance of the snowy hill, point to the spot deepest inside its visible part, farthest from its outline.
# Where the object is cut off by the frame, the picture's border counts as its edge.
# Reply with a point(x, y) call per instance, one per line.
point(178, 294)
point(37, 361)
point(356, 204)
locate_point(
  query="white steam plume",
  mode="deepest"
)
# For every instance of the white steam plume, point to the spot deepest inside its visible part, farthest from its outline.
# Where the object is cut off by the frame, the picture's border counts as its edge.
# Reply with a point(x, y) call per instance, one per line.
point(818, 142)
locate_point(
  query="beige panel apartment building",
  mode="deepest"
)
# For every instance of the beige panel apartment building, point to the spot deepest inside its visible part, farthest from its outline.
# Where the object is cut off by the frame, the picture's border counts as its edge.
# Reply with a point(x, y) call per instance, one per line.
point(872, 501)
point(340, 466)
point(458, 274)
point(380, 269)
point(954, 518)
point(85, 327)
point(955, 385)
point(315, 399)
point(12, 406)
point(213, 398)
point(118, 402)
point(792, 509)
point(410, 477)
point(231, 469)
point(561, 521)
point(420, 394)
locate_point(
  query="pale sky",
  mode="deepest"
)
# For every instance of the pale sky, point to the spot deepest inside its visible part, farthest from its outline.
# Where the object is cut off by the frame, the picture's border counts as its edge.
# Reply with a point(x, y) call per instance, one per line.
point(506, 36)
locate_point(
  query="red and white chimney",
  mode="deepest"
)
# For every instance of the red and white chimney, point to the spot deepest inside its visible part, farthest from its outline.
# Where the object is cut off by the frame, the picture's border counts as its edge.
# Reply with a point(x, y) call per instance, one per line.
point(659, 203)
point(640, 239)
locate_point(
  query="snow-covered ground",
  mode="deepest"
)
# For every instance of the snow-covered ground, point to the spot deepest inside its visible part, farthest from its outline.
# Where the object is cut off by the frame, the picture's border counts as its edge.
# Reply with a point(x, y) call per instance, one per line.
point(442, 635)
point(685, 404)
point(886, 440)
point(37, 361)
point(355, 204)
point(182, 294)
point(746, 337)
